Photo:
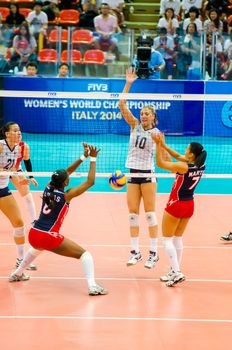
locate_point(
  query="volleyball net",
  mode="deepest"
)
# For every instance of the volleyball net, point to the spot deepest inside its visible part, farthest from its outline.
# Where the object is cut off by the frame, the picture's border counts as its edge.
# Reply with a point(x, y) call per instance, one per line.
point(54, 124)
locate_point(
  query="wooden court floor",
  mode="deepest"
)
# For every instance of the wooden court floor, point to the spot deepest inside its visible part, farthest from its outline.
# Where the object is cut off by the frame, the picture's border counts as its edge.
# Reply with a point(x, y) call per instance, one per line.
point(54, 311)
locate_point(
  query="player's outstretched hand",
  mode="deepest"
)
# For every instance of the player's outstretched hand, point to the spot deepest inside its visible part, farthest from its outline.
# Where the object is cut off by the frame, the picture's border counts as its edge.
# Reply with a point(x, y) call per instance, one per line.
point(86, 149)
point(155, 138)
point(131, 75)
point(93, 151)
point(34, 182)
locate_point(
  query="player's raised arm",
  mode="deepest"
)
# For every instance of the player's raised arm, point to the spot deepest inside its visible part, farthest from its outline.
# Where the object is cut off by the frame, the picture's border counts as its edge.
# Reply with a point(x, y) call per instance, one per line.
point(77, 191)
point(78, 162)
point(171, 151)
point(180, 167)
point(127, 115)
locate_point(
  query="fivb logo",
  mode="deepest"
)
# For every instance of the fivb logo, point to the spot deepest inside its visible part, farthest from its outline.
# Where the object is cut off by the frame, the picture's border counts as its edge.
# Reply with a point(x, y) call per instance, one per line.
point(97, 87)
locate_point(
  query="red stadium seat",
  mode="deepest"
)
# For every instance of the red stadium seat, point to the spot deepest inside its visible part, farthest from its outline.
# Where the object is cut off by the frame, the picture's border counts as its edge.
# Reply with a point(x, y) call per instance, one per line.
point(24, 1)
point(69, 17)
point(48, 55)
point(25, 11)
point(76, 56)
point(94, 56)
point(82, 36)
point(4, 12)
point(54, 36)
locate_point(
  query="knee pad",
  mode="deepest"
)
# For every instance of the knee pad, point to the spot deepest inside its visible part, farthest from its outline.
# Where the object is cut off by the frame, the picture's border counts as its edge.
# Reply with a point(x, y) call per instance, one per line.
point(133, 220)
point(19, 232)
point(151, 218)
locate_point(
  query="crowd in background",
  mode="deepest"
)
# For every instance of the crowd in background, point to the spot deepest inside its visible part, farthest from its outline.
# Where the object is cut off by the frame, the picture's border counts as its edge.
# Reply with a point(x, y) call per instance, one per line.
point(178, 38)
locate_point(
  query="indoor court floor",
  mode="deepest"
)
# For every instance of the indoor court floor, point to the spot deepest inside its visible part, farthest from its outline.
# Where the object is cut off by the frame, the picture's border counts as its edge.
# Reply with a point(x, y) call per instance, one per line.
point(54, 311)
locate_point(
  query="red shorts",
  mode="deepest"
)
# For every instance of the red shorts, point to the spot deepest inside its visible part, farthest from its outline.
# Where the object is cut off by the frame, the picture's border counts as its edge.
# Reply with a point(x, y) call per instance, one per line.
point(180, 209)
point(44, 240)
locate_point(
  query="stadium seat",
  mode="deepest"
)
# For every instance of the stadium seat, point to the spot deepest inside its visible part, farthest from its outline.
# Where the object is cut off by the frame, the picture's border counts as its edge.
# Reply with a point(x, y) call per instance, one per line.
point(4, 12)
point(24, 1)
point(25, 11)
point(54, 36)
point(69, 17)
point(76, 56)
point(82, 36)
point(48, 55)
point(94, 56)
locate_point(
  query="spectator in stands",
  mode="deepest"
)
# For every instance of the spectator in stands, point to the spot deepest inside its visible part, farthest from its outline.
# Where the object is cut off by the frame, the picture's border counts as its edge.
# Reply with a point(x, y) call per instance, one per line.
point(38, 20)
point(189, 60)
point(15, 18)
point(4, 67)
point(220, 5)
point(63, 70)
point(90, 10)
point(24, 46)
point(213, 23)
point(165, 45)
point(187, 4)
point(52, 10)
point(106, 25)
point(228, 56)
point(169, 21)
point(217, 51)
point(174, 4)
point(117, 7)
point(31, 69)
point(193, 17)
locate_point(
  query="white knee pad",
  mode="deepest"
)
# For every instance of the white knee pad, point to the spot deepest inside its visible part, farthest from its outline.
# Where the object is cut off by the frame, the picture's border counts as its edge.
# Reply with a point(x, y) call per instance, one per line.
point(151, 218)
point(19, 232)
point(133, 220)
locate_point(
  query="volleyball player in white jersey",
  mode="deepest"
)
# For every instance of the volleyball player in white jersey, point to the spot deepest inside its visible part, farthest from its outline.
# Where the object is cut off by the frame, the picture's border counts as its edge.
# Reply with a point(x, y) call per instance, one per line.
point(141, 160)
point(23, 186)
point(9, 153)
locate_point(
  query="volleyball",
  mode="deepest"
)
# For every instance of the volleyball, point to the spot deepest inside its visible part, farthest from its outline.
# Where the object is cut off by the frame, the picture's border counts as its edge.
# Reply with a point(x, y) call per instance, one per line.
point(117, 180)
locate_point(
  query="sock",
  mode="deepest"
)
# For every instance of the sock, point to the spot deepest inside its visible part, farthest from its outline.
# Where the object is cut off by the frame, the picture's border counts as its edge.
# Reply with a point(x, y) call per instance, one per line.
point(20, 250)
point(178, 244)
point(30, 206)
point(29, 257)
point(171, 252)
point(88, 268)
point(135, 244)
point(153, 242)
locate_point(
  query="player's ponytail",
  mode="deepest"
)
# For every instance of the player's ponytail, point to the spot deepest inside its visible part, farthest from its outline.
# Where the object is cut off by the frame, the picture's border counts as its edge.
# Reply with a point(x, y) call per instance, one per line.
point(57, 182)
point(199, 152)
point(5, 128)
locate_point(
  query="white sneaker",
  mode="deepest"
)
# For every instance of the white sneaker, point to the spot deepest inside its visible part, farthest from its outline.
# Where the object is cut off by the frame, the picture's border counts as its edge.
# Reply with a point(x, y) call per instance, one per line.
point(177, 277)
point(18, 278)
point(227, 237)
point(97, 290)
point(135, 257)
point(31, 267)
point(167, 277)
point(151, 261)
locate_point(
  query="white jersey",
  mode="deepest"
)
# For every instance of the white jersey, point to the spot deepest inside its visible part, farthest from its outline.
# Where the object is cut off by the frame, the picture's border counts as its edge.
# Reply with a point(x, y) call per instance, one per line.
point(141, 149)
point(8, 158)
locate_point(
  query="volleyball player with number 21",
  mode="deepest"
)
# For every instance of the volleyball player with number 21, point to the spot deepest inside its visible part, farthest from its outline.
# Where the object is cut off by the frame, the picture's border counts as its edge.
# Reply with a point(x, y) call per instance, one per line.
point(140, 159)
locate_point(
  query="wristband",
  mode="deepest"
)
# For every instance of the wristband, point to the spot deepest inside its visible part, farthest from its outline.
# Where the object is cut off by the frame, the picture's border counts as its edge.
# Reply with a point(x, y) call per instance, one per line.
point(93, 159)
point(82, 158)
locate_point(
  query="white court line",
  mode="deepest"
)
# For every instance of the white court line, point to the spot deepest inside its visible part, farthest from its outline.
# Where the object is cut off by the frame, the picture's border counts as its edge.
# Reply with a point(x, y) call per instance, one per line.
point(107, 318)
point(225, 246)
point(122, 279)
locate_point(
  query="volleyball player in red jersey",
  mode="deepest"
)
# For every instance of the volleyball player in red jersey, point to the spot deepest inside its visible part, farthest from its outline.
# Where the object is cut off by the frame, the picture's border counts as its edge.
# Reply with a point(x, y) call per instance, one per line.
point(180, 207)
point(44, 235)
point(21, 183)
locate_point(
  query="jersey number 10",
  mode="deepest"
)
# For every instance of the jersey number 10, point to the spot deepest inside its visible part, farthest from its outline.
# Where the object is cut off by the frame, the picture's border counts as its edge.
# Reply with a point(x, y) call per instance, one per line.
point(140, 142)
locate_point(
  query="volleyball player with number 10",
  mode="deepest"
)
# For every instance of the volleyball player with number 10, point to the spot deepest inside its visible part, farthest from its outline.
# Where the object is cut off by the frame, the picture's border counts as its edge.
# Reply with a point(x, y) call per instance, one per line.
point(141, 160)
